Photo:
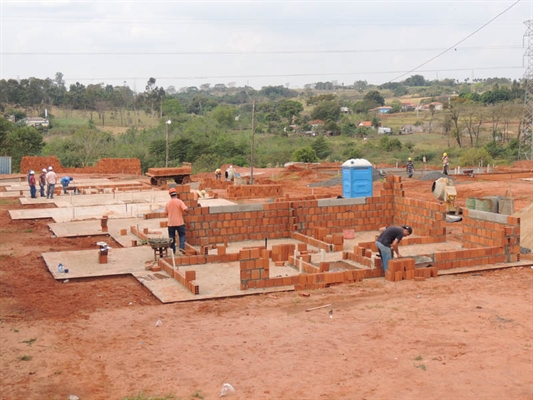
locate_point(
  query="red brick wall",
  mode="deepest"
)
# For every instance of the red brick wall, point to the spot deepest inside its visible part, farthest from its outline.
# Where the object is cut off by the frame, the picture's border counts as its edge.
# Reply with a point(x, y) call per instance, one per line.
point(131, 166)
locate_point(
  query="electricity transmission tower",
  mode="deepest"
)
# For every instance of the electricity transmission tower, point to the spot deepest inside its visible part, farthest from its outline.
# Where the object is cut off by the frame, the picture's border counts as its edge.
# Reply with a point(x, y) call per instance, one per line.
point(525, 148)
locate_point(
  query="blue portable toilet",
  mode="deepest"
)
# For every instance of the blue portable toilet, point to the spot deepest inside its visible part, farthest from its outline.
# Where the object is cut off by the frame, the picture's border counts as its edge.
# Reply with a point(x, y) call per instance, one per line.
point(357, 178)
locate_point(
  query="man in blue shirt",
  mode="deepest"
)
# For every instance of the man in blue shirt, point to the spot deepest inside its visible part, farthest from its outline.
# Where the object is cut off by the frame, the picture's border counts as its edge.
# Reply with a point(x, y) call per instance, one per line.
point(65, 181)
point(387, 243)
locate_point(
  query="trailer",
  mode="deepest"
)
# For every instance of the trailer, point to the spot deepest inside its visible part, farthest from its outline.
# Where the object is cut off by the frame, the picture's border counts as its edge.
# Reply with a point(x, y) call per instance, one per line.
point(180, 175)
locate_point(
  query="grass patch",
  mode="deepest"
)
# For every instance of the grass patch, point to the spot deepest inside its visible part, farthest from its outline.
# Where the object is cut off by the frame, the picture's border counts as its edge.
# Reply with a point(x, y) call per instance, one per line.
point(28, 230)
point(421, 366)
point(26, 358)
point(29, 342)
point(418, 358)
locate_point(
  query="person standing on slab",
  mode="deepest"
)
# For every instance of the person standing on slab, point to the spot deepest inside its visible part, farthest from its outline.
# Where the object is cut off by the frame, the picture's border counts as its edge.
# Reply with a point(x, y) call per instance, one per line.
point(33, 183)
point(387, 243)
point(175, 209)
point(51, 180)
point(42, 181)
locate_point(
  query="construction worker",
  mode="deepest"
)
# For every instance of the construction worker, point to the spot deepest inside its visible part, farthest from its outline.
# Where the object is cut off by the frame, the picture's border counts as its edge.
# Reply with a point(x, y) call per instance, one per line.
point(445, 163)
point(410, 168)
point(65, 181)
point(51, 180)
point(387, 243)
point(175, 209)
point(33, 190)
point(42, 181)
point(218, 174)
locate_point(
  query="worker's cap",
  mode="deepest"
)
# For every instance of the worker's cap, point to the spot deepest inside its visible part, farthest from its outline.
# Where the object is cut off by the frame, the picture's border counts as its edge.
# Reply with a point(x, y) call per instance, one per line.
point(409, 158)
point(50, 168)
point(172, 192)
point(408, 228)
point(32, 172)
point(445, 154)
point(44, 169)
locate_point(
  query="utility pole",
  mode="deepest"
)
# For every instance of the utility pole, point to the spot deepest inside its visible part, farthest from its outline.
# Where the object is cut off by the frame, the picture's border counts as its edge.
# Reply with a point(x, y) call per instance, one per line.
point(525, 144)
point(166, 147)
point(252, 149)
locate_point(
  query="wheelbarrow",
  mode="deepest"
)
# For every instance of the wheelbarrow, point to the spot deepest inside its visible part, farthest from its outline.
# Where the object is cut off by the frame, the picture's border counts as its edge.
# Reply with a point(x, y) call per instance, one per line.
point(160, 245)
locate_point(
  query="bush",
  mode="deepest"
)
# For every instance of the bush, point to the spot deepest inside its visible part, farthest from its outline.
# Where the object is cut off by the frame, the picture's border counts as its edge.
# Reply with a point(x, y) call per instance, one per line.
point(474, 157)
point(305, 154)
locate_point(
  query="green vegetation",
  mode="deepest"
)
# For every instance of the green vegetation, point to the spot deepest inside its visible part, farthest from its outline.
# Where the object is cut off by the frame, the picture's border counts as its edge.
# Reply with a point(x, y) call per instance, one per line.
point(26, 358)
point(30, 341)
point(474, 122)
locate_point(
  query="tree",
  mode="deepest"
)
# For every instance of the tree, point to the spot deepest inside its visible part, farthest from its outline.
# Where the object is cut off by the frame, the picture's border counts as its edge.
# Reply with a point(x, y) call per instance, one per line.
point(305, 154)
point(23, 141)
point(321, 147)
point(327, 111)
point(289, 109)
point(224, 115)
point(375, 96)
point(415, 80)
point(5, 128)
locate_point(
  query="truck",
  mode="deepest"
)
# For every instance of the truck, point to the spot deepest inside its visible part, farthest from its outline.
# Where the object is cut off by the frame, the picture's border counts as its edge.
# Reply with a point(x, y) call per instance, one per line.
point(180, 175)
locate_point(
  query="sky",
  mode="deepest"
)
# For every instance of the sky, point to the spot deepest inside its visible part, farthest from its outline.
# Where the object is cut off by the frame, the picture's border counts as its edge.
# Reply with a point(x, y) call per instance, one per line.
point(261, 42)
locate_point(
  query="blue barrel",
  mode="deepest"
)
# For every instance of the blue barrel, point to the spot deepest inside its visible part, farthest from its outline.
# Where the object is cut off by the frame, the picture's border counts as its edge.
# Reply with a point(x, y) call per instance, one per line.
point(357, 178)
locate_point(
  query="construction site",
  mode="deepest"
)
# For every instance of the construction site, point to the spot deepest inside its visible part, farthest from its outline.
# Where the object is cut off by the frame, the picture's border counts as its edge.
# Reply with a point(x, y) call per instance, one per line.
point(280, 276)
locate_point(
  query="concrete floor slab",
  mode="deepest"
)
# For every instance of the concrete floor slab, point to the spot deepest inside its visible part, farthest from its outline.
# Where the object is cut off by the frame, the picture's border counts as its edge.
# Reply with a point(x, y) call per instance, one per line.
point(216, 280)
point(115, 226)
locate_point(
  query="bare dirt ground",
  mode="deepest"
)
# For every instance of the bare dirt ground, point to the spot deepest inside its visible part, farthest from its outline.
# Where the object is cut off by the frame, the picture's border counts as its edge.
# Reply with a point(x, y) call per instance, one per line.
point(465, 336)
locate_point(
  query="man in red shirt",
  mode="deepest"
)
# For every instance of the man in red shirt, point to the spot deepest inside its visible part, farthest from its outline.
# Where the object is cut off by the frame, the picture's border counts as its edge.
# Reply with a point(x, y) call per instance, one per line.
point(175, 224)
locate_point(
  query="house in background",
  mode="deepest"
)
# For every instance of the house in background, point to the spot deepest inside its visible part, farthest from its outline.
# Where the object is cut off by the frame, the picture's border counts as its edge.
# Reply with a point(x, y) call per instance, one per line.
point(367, 124)
point(408, 107)
point(427, 107)
point(382, 109)
point(36, 122)
point(345, 110)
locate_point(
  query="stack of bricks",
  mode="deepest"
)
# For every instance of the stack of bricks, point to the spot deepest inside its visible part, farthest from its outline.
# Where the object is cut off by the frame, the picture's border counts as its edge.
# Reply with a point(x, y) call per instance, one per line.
point(282, 252)
point(400, 269)
point(253, 191)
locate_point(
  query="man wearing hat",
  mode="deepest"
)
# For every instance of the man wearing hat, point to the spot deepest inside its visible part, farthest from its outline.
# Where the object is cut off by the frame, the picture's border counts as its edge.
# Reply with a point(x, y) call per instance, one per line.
point(51, 180)
point(387, 243)
point(445, 163)
point(42, 181)
point(33, 189)
point(175, 223)
point(410, 168)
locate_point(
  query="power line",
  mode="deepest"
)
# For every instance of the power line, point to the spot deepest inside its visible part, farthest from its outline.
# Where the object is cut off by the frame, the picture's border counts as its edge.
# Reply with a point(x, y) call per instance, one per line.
point(240, 21)
point(289, 75)
point(459, 42)
point(259, 52)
